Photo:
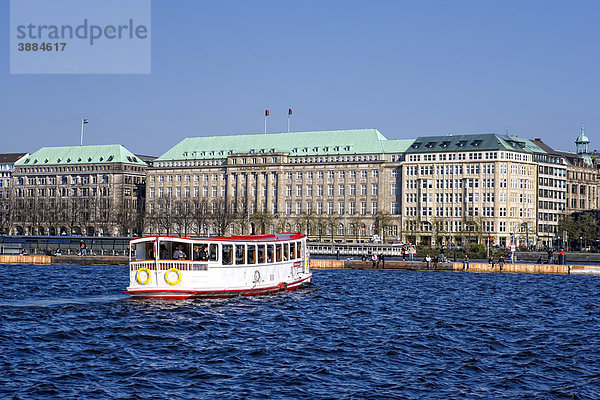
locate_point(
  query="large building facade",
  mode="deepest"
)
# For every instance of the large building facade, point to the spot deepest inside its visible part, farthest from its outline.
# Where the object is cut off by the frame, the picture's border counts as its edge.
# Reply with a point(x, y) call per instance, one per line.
point(330, 184)
point(7, 209)
point(346, 185)
point(470, 188)
point(78, 190)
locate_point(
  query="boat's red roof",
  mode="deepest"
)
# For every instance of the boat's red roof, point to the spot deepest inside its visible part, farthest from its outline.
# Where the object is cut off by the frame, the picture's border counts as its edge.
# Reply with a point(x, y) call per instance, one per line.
point(273, 237)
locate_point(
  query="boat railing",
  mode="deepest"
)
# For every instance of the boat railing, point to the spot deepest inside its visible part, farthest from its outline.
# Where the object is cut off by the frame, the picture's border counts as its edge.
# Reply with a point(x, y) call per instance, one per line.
point(136, 265)
point(167, 265)
point(183, 265)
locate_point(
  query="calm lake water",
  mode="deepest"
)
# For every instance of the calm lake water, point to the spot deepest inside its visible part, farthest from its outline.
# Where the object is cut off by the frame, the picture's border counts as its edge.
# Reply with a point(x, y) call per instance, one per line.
point(68, 332)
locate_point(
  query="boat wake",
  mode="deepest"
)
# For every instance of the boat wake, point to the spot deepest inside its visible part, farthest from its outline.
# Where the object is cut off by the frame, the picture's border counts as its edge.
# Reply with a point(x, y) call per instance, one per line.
point(61, 301)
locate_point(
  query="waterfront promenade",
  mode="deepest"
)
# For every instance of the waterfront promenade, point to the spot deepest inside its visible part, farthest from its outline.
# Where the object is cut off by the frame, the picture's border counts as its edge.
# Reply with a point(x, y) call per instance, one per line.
point(474, 266)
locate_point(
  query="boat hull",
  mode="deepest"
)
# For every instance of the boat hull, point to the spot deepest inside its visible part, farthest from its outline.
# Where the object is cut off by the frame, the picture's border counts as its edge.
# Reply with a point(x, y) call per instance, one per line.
point(180, 294)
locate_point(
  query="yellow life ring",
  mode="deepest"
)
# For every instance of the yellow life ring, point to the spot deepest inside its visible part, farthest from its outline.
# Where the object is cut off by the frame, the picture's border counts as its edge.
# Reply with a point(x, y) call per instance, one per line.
point(170, 282)
point(138, 276)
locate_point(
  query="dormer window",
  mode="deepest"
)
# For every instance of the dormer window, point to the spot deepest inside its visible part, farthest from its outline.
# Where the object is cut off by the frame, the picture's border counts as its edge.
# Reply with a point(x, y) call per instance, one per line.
point(444, 144)
point(430, 145)
point(461, 143)
point(476, 143)
point(416, 145)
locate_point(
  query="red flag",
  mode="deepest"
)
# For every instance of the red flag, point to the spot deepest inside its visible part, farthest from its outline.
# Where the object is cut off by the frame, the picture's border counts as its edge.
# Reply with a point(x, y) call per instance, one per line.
point(266, 113)
point(289, 111)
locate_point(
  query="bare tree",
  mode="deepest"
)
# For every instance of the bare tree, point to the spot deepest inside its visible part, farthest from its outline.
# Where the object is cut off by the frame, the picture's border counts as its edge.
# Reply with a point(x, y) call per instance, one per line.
point(223, 216)
point(200, 215)
point(261, 221)
point(307, 221)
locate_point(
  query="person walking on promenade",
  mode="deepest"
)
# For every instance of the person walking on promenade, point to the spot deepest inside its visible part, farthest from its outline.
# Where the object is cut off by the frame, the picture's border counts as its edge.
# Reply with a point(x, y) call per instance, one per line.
point(428, 261)
point(382, 258)
point(403, 253)
point(374, 259)
point(466, 262)
point(501, 261)
point(491, 262)
point(411, 252)
point(82, 249)
point(550, 255)
point(435, 262)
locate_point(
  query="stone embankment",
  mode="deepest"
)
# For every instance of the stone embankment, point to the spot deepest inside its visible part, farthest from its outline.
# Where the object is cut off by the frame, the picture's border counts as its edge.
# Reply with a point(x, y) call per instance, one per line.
point(458, 266)
point(66, 260)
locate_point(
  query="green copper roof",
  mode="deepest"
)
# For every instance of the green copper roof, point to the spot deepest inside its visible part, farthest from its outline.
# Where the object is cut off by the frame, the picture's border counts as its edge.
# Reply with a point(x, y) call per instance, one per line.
point(352, 141)
point(582, 139)
point(473, 142)
point(396, 146)
point(77, 155)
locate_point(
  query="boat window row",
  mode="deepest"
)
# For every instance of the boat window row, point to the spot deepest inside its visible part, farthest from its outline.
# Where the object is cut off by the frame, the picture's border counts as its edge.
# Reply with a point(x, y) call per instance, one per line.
point(226, 253)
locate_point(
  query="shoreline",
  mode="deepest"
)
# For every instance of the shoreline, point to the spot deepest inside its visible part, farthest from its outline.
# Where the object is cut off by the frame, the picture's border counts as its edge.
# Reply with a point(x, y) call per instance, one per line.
point(474, 266)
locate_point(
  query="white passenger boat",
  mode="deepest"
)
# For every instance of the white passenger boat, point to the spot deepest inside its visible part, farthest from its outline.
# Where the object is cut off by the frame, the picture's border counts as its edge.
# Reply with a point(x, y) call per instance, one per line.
point(178, 267)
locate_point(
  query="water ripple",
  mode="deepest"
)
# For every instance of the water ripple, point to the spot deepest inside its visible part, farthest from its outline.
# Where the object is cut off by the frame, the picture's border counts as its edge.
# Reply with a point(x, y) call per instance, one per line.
point(350, 335)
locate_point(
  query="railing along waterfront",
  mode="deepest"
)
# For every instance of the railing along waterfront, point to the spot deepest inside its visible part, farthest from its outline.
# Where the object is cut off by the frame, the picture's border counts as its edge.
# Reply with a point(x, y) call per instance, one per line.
point(95, 245)
point(354, 249)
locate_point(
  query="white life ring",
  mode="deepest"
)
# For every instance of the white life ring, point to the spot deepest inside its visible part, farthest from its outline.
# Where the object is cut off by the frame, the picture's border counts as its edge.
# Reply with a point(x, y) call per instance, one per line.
point(256, 276)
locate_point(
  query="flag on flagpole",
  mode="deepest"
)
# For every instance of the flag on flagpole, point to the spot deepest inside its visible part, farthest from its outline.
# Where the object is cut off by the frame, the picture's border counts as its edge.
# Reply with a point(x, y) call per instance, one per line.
point(85, 121)
point(289, 111)
point(266, 113)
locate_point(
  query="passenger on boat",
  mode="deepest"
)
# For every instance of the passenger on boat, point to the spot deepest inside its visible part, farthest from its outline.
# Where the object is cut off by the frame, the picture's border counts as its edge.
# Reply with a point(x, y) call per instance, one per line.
point(203, 253)
point(164, 253)
point(179, 254)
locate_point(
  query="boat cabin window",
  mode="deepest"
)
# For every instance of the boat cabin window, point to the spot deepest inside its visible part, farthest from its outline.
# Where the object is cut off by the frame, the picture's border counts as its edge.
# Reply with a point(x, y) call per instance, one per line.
point(298, 249)
point(293, 250)
point(143, 251)
point(251, 254)
point(270, 253)
point(286, 251)
point(240, 254)
point(278, 252)
point(261, 253)
point(227, 254)
point(213, 252)
point(164, 253)
point(180, 251)
point(200, 252)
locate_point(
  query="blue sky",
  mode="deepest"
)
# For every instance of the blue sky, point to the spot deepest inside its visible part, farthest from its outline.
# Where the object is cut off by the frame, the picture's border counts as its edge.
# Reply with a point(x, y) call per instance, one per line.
point(407, 68)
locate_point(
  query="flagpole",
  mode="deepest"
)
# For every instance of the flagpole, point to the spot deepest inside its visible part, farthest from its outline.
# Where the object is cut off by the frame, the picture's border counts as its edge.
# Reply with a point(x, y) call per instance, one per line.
point(81, 141)
point(288, 123)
